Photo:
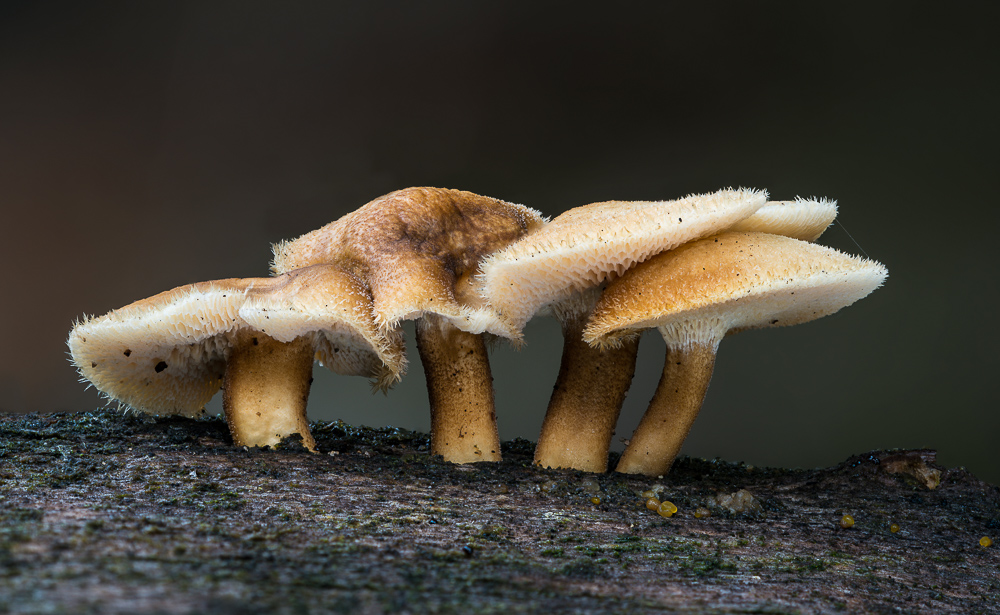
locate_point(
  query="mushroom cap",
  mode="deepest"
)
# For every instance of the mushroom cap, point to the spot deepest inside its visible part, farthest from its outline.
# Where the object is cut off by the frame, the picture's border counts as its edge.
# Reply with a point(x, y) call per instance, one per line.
point(167, 354)
point(417, 249)
point(587, 245)
point(804, 219)
point(334, 307)
point(729, 282)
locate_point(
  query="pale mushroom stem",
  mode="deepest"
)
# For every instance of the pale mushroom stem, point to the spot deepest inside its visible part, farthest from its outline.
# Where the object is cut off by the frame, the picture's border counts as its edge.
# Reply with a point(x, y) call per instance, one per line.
point(460, 387)
point(586, 401)
point(266, 388)
point(675, 405)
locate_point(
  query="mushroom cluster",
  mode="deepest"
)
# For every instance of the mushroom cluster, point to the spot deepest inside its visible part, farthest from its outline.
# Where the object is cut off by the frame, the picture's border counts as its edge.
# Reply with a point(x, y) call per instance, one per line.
point(466, 267)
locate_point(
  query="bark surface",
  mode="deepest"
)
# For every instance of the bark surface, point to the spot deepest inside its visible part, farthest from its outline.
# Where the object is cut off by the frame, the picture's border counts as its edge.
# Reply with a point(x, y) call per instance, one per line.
point(109, 513)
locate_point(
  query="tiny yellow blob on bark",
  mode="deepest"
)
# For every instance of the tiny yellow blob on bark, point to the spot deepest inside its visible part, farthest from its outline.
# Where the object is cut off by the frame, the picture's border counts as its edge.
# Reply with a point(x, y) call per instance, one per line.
point(846, 521)
point(652, 503)
point(666, 509)
point(985, 541)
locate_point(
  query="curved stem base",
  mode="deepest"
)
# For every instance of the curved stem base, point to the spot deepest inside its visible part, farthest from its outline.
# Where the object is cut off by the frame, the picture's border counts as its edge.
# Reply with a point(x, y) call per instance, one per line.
point(675, 405)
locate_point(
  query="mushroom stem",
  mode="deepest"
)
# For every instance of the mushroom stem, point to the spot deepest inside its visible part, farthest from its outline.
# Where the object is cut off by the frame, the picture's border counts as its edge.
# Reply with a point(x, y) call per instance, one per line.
point(460, 387)
point(675, 405)
point(265, 389)
point(586, 401)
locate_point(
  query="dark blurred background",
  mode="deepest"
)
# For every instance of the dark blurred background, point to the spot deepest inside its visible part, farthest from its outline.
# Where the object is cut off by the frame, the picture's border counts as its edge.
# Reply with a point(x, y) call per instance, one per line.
point(148, 145)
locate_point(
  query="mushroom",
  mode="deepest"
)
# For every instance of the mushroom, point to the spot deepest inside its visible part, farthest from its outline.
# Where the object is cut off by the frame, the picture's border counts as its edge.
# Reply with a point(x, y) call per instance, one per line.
point(560, 269)
point(255, 337)
point(417, 250)
point(698, 293)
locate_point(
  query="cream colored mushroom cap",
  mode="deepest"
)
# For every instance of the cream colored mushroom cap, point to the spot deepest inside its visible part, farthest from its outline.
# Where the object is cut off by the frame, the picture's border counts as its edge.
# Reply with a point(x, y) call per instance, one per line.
point(166, 354)
point(334, 308)
point(804, 219)
point(587, 245)
point(732, 281)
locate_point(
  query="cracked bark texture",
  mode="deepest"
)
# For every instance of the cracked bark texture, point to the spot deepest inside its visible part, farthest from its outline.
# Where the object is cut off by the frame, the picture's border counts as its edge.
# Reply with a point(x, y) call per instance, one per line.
point(108, 513)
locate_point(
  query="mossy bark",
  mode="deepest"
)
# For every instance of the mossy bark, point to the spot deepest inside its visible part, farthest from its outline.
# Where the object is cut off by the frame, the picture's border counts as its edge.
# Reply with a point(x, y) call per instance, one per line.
point(109, 513)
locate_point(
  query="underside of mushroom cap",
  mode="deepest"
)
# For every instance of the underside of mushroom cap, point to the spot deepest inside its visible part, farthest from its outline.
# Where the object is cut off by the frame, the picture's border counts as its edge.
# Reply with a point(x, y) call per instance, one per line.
point(165, 354)
point(412, 247)
point(588, 245)
point(804, 219)
point(729, 282)
point(333, 308)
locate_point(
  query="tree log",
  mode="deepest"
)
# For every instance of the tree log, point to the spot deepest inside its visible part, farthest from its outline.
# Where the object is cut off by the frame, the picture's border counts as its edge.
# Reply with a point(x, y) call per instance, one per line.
point(113, 513)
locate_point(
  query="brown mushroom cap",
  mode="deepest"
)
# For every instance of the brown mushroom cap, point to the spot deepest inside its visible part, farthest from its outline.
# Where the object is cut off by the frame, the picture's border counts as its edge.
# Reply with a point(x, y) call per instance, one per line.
point(732, 281)
point(167, 354)
point(417, 248)
point(587, 245)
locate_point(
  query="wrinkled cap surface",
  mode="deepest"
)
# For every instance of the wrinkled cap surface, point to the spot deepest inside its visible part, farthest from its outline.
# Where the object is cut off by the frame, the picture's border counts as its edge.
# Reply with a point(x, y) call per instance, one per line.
point(732, 281)
point(417, 250)
point(804, 219)
point(587, 245)
point(167, 354)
